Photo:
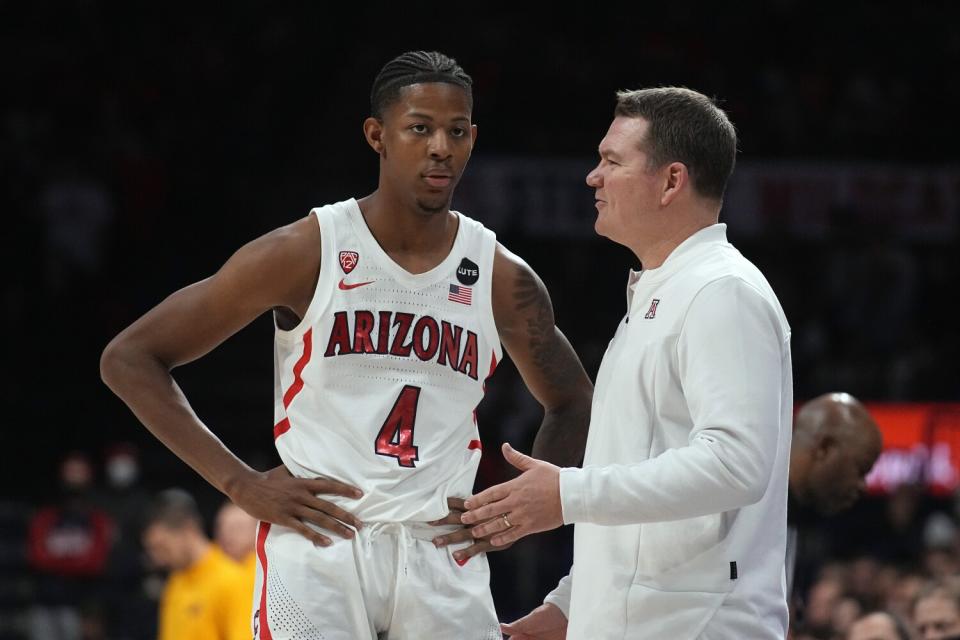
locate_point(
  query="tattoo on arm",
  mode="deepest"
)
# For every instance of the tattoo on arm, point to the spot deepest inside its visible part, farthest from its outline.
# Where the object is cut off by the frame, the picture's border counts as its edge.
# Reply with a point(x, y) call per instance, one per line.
point(551, 354)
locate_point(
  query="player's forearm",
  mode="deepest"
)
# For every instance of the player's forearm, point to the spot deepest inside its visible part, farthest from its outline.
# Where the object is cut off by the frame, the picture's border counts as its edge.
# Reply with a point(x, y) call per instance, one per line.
point(563, 432)
point(146, 386)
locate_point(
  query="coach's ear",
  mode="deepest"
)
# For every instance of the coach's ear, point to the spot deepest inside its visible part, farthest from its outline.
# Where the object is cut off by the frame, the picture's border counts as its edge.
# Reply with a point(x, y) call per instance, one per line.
point(373, 132)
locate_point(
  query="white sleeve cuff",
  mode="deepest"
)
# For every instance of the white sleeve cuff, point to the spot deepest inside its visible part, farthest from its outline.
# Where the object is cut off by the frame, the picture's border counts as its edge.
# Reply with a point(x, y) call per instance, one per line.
point(573, 500)
point(560, 597)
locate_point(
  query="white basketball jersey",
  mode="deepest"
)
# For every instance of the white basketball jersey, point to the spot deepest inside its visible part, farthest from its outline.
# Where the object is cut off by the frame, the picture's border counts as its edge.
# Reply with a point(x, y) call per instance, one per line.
point(378, 384)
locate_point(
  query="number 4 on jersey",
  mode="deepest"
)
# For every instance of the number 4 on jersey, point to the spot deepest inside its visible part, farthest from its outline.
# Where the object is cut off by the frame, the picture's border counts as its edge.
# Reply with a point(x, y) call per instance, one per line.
point(396, 435)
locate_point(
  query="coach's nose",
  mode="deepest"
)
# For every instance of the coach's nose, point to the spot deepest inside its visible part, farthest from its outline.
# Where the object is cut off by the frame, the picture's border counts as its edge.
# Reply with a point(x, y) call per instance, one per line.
point(594, 178)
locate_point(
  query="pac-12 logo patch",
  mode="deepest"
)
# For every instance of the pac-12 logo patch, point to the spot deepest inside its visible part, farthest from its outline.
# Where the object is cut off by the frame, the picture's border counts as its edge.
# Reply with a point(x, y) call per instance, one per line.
point(349, 260)
point(652, 311)
point(468, 272)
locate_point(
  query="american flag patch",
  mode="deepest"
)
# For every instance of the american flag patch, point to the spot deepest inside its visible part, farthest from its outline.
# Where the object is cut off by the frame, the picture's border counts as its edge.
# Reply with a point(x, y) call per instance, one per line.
point(461, 294)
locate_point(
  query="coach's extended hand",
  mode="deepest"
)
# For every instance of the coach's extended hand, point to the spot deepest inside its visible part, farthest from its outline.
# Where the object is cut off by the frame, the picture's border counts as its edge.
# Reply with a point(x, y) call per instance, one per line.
point(530, 503)
point(277, 496)
point(457, 509)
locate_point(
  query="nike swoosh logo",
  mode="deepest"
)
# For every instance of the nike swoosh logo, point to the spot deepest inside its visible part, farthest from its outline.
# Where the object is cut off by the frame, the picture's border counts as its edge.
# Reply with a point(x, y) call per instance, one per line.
point(346, 287)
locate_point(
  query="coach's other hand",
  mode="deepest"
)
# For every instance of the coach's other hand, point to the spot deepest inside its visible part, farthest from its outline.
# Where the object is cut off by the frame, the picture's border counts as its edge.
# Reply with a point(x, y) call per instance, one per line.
point(278, 497)
point(546, 622)
point(529, 503)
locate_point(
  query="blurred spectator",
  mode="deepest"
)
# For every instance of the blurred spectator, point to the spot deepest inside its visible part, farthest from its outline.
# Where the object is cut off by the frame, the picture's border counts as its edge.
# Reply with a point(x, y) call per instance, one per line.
point(67, 546)
point(824, 597)
point(879, 625)
point(235, 531)
point(936, 613)
point(844, 614)
point(123, 590)
point(903, 529)
point(835, 443)
point(77, 211)
point(206, 595)
point(903, 592)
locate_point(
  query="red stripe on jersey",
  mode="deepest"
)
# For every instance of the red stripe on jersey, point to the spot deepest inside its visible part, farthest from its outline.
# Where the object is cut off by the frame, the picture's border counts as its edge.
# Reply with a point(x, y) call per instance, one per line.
point(475, 444)
point(297, 385)
point(262, 556)
point(493, 367)
point(281, 428)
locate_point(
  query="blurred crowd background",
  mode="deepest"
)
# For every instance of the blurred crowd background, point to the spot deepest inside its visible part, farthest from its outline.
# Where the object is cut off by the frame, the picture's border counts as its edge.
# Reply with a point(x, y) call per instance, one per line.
point(140, 144)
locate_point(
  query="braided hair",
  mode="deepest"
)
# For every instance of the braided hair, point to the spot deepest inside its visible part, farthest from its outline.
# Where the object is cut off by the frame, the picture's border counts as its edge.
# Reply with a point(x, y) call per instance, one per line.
point(414, 67)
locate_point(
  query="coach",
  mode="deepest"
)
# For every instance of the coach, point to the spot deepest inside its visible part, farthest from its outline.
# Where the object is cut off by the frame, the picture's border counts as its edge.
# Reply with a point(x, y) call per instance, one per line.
point(681, 506)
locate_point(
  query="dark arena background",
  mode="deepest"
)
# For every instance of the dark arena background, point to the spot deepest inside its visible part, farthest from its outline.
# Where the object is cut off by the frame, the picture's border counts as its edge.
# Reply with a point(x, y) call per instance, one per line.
point(142, 143)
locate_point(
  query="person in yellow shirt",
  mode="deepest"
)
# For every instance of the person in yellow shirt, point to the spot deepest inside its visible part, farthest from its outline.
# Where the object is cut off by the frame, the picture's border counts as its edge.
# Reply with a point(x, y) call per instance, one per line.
point(235, 531)
point(206, 596)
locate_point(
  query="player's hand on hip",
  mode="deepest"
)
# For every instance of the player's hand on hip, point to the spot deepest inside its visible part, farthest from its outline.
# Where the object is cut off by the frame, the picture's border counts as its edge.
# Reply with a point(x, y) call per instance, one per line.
point(464, 534)
point(278, 497)
point(529, 503)
point(546, 622)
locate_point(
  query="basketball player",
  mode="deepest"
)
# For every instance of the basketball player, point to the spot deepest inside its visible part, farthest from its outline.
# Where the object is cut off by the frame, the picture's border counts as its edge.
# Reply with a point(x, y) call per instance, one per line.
point(390, 312)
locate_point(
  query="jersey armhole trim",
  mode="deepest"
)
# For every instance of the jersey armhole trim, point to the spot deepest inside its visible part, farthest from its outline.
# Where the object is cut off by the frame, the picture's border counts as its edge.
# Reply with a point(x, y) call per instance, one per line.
point(321, 293)
point(488, 321)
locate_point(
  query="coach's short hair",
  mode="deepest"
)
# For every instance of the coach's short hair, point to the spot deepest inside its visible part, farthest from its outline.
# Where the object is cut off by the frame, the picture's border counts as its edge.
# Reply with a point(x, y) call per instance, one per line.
point(173, 508)
point(685, 126)
point(414, 67)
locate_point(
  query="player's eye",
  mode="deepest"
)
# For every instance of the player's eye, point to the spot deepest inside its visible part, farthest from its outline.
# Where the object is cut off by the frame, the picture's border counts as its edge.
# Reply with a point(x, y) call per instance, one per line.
point(457, 132)
point(419, 128)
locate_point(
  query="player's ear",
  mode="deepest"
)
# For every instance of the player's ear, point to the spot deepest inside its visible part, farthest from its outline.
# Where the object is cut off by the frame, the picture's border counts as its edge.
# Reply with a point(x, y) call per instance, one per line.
point(473, 134)
point(825, 445)
point(373, 132)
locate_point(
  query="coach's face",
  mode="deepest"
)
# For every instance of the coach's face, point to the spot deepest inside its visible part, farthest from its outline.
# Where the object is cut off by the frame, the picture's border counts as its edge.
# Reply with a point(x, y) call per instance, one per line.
point(626, 188)
point(424, 140)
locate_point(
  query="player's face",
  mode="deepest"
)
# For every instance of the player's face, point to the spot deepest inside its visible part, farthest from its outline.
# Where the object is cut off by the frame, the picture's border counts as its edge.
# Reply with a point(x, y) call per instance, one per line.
point(165, 547)
point(426, 140)
point(625, 187)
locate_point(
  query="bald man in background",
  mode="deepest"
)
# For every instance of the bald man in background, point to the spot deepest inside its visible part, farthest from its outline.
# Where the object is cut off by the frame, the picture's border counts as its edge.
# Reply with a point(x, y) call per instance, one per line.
point(835, 444)
point(235, 531)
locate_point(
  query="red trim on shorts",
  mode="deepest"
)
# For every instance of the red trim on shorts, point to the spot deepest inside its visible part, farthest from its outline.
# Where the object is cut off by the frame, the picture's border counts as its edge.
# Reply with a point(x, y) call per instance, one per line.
point(297, 385)
point(262, 555)
point(475, 444)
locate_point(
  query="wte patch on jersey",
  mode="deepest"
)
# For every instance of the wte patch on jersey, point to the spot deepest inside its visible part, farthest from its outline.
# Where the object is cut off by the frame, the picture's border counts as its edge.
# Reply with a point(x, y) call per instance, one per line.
point(349, 260)
point(468, 272)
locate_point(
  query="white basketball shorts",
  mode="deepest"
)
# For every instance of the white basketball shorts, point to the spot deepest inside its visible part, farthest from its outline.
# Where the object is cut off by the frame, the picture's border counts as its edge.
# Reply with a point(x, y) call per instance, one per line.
point(388, 583)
